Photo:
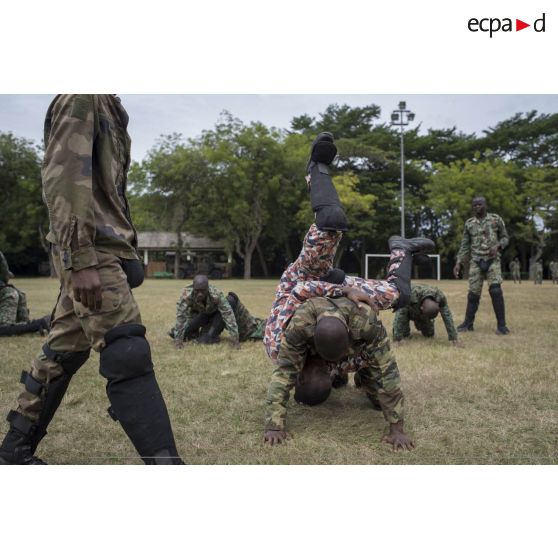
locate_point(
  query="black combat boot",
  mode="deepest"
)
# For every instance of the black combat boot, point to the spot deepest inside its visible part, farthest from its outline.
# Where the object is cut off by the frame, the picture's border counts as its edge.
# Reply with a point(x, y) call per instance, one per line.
point(329, 213)
point(401, 266)
point(497, 297)
point(164, 457)
point(470, 313)
point(20, 442)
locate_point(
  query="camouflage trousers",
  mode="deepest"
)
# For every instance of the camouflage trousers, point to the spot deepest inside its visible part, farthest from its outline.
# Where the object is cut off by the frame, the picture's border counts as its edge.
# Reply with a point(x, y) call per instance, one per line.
point(493, 276)
point(75, 328)
point(13, 306)
point(516, 276)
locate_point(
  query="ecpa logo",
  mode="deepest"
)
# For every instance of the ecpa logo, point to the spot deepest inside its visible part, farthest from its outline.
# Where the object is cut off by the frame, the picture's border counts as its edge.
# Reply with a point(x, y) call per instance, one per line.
point(494, 24)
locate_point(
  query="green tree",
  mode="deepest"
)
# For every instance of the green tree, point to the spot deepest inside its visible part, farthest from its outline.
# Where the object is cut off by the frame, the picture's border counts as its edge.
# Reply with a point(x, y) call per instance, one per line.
point(247, 170)
point(452, 188)
point(23, 217)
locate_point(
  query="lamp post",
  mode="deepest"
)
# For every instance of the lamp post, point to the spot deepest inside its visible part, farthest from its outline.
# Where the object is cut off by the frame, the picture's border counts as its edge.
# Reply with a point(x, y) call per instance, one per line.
point(401, 117)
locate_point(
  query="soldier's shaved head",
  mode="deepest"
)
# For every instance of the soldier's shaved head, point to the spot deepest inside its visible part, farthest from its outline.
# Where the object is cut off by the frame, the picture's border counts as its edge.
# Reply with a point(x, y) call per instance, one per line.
point(201, 283)
point(313, 383)
point(430, 308)
point(331, 338)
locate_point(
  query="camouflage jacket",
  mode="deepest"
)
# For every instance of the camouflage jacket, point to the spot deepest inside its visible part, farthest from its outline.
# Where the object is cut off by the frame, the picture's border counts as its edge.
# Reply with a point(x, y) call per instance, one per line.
point(87, 155)
point(412, 312)
point(4, 271)
point(187, 307)
point(515, 266)
point(480, 235)
point(369, 349)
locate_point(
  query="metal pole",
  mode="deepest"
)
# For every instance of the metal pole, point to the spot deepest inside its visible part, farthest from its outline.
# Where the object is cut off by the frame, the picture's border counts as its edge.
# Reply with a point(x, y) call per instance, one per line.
point(402, 186)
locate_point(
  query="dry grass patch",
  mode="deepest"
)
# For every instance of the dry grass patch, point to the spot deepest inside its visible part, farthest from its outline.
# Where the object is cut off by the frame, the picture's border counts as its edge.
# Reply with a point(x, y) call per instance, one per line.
point(494, 401)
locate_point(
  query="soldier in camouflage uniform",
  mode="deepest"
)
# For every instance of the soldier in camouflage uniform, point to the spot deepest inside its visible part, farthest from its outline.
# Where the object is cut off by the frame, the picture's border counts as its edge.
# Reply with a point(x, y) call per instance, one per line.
point(14, 314)
point(318, 311)
point(203, 311)
point(93, 243)
point(484, 237)
point(515, 268)
point(553, 267)
point(539, 272)
point(426, 302)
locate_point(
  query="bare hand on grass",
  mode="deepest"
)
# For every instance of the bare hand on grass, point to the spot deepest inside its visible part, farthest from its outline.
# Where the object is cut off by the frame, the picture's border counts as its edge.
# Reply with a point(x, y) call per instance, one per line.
point(458, 343)
point(397, 437)
point(179, 344)
point(274, 437)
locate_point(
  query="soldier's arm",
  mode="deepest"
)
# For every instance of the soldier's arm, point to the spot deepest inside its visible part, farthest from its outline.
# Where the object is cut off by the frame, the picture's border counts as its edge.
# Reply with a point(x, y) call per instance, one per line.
point(290, 361)
point(183, 315)
point(445, 312)
point(465, 246)
point(381, 362)
point(228, 315)
point(503, 237)
point(401, 328)
point(67, 180)
point(310, 289)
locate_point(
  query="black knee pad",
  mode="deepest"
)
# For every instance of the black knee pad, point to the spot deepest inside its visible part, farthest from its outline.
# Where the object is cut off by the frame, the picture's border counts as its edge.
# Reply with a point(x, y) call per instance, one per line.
point(132, 389)
point(495, 289)
point(126, 354)
point(473, 297)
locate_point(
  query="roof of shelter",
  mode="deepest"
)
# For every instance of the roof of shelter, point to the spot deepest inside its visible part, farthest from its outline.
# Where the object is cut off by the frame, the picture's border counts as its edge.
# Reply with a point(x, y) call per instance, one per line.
point(168, 241)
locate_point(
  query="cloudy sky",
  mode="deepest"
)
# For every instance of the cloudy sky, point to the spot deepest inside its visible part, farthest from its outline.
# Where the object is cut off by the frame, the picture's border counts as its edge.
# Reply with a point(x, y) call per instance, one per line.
point(153, 115)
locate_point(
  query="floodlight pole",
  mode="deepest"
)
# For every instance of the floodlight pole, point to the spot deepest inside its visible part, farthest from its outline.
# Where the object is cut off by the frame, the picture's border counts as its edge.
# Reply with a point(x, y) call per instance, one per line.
point(401, 117)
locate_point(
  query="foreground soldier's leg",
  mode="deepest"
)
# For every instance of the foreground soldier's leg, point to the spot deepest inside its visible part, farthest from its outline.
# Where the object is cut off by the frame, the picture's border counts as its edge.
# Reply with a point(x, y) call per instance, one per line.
point(63, 354)
point(132, 389)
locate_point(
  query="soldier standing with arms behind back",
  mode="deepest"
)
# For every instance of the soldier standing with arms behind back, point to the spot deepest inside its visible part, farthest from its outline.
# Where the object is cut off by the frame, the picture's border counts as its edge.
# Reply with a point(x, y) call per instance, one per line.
point(93, 243)
point(539, 272)
point(484, 237)
point(515, 268)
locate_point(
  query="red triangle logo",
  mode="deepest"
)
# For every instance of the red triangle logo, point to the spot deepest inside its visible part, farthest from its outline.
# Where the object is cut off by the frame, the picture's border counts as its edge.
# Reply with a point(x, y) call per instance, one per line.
point(519, 25)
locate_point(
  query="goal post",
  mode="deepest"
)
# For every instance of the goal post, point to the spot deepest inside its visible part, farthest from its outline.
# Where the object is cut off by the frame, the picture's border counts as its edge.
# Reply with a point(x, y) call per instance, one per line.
point(383, 259)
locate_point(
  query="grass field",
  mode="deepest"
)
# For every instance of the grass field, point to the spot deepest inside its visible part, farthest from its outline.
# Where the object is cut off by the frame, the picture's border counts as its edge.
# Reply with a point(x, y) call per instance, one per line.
point(495, 401)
